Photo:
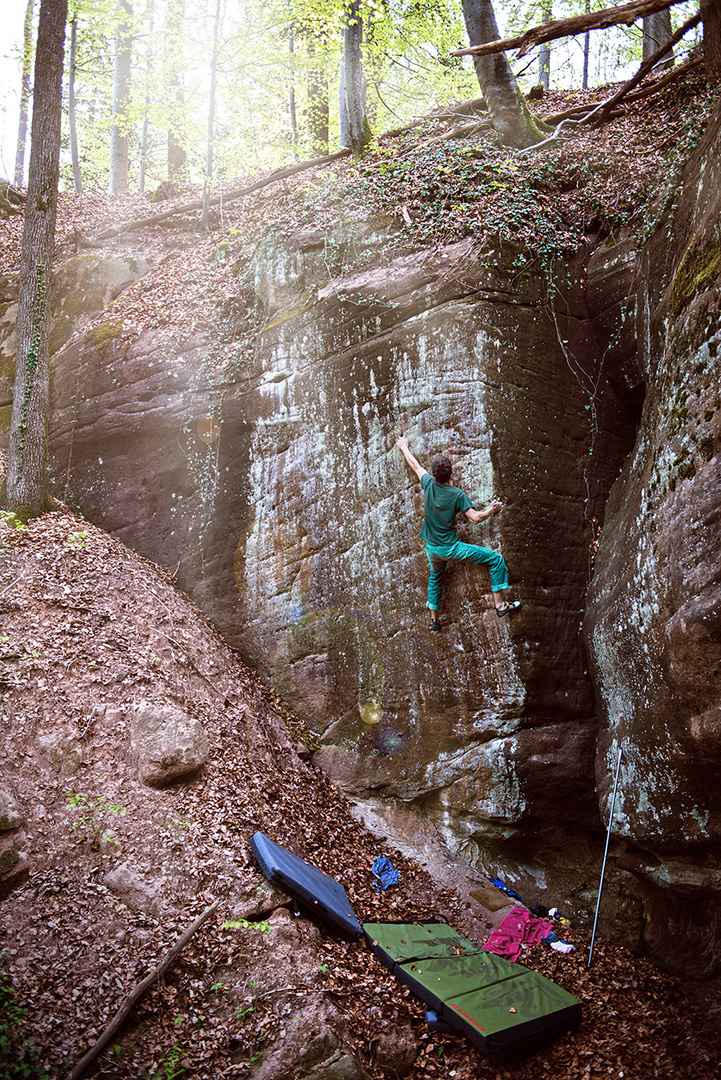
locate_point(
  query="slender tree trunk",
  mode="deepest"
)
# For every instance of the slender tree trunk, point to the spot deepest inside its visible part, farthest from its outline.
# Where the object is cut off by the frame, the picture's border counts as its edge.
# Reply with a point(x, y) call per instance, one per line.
point(119, 134)
point(354, 128)
point(318, 110)
point(72, 123)
point(211, 119)
point(24, 93)
point(711, 15)
point(291, 95)
point(507, 108)
point(656, 32)
point(544, 55)
point(586, 49)
point(177, 154)
point(26, 480)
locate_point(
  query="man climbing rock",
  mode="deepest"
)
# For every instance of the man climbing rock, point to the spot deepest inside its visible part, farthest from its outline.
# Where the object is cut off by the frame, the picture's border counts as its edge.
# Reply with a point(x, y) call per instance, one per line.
point(441, 503)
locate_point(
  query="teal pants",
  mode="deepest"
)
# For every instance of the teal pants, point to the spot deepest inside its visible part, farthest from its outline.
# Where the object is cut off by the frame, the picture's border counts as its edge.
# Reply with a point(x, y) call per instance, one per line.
point(457, 551)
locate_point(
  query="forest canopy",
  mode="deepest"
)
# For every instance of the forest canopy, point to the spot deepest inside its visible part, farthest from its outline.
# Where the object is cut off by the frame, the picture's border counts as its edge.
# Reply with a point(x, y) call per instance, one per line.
point(142, 78)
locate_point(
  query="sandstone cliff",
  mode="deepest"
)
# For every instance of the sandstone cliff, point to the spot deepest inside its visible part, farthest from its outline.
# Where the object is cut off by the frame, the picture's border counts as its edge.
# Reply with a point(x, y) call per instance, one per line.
point(274, 492)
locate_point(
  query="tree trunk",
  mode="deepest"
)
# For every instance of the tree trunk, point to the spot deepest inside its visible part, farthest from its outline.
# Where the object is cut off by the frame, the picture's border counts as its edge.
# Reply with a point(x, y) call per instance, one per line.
point(507, 108)
point(24, 93)
point(354, 129)
point(211, 118)
point(291, 95)
point(711, 15)
point(177, 154)
point(544, 55)
point(120, 133)
point(72, 125)
point(656, 32)
point(26, 480)
point(586, 49)
point(318, 111)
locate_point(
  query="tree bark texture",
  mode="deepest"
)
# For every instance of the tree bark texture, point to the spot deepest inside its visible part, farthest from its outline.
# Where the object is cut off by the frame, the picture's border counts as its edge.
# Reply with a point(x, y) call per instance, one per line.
point(318, 111)
point(354, 130)
point(26, 480)
point(656, 32)
point(507, 108)
point(175, 105)
point(544, 55)
point(578, 24)
point(711, 15)
point(211, 118)
point(24, 93)
point(120, 134)
point(72, 124)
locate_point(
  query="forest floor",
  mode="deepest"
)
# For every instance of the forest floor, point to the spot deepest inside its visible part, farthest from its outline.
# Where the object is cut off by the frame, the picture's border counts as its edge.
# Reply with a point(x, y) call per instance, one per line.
point(89, 629)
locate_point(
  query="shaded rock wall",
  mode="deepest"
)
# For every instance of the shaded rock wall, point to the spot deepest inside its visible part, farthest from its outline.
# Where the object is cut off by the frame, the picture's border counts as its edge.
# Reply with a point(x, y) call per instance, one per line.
point(276, 495)
point(654, 622)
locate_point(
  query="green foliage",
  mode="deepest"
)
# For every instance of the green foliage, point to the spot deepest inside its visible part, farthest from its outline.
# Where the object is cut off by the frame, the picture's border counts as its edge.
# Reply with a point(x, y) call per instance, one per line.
point(90, 826)
point(76, 541)
point(19, 1056)
point(12, 520)
point(244, 924)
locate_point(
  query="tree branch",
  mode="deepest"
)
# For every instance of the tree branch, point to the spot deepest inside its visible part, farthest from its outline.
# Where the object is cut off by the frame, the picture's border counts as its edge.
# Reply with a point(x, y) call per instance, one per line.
point(140, 989)
point(578, 24)
point(647, 65)
point(197, 204)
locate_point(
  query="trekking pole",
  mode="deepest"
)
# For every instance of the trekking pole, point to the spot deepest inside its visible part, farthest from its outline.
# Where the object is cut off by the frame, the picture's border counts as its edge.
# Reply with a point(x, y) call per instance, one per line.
point(605, 854)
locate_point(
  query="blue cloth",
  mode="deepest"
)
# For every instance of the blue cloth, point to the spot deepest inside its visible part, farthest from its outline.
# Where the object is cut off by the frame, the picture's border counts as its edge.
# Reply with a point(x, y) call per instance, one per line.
point(384, 873)
point(504, 888)
point(440, 555)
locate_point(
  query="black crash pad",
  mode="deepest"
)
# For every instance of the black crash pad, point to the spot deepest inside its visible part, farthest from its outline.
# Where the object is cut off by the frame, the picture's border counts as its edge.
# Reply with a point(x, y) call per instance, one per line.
point(320, 894)
point(502, 1007)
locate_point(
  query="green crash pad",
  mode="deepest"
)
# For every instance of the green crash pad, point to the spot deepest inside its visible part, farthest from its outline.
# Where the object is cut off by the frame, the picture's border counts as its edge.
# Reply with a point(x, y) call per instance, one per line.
point(502, 1007)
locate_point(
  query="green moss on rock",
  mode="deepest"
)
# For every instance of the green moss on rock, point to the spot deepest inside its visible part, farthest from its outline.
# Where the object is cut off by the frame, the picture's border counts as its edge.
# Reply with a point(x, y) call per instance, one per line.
point(699, 268)
point(105, 335)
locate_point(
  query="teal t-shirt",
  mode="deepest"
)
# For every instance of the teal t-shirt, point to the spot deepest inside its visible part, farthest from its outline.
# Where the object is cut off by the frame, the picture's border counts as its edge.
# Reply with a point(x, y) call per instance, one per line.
point(441, 503)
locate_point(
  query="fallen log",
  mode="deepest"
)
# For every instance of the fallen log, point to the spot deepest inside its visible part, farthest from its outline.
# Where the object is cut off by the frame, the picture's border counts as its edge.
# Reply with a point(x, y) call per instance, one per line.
point(604, 110)
point(646, 67)
point(577, 24)
point(140, 989)
point(580, 111)
point(197, 204)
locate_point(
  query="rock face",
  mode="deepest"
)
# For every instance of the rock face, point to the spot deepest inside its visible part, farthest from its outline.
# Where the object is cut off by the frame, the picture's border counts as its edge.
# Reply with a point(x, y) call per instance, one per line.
point(654, 622)
point(280, 499)
point(277, 496)
point(14, 861)
point(166, 743)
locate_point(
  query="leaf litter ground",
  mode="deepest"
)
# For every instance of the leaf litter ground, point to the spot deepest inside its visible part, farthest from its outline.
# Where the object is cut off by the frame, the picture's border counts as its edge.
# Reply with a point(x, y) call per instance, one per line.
point(89, 628)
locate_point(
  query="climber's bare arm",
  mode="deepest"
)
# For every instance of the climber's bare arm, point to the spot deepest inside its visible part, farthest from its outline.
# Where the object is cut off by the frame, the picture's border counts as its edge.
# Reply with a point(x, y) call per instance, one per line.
point(414, 463)
point(477, 516)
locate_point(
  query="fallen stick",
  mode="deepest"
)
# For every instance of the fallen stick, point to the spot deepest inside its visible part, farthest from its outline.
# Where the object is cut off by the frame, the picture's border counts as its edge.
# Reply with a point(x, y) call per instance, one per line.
point(140, 989)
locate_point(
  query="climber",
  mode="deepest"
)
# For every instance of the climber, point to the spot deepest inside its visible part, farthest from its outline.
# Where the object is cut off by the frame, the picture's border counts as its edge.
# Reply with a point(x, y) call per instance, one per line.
point(441, 503)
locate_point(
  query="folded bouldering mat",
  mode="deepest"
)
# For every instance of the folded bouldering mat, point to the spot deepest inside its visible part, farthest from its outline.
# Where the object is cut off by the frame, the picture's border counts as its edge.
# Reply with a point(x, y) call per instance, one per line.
point(502, 1007)
point(318, 892)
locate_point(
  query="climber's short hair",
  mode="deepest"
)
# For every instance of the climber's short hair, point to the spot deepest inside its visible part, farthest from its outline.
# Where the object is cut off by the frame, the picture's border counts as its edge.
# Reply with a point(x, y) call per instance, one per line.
point(441, 469)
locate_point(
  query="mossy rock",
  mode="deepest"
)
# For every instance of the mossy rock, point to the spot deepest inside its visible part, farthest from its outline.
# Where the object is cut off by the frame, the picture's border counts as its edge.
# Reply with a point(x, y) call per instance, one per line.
point(6, 412)
point(699, 268)
point(105, 335)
